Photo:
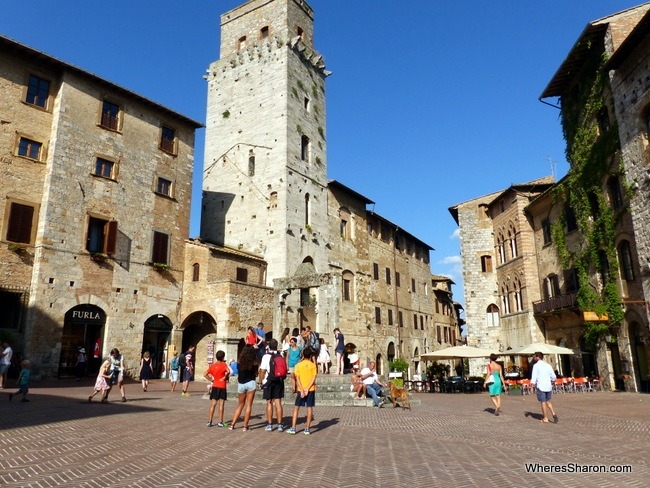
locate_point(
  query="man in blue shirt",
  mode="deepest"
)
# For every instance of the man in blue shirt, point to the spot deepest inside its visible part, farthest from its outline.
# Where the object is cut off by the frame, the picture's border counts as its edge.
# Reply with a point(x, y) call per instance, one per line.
point(542, 379)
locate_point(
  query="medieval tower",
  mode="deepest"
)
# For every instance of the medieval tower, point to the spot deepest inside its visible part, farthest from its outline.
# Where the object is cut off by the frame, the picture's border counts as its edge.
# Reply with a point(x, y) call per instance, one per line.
point(265, 187)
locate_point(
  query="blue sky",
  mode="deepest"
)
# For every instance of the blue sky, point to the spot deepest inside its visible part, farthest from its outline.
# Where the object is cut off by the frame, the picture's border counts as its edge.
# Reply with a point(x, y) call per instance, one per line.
point(431, 102)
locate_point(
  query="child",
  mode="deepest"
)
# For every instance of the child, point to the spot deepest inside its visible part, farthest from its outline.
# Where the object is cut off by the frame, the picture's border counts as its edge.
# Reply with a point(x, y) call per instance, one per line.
point(305, 374)
point(174, 369)
point(23, 380)
point(102, 384)
point(217, 373)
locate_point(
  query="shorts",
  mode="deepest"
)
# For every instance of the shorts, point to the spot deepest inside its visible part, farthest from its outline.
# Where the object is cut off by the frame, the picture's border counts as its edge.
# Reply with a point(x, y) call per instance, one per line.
point(173, 375)
point(246, 387)
point(3, 368)
point(23, 389)
point(188, 375)
point(273, 390)
point(218, 394)
point(544, 396)
point(308, 401)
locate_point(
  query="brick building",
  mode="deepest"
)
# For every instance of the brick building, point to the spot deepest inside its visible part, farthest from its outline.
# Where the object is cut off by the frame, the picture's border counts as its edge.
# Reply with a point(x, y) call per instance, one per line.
point(80, 158)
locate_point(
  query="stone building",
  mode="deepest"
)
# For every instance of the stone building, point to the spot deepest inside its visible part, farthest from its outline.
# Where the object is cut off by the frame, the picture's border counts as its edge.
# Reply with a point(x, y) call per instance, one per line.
point(586, 279)
point(604, 197)
point(94, 213)
point(330, 261)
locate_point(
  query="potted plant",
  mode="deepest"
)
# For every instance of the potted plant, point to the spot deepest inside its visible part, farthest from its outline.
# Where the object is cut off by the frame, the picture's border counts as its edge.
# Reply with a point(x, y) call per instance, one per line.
point(399, 365)
point(160, 266)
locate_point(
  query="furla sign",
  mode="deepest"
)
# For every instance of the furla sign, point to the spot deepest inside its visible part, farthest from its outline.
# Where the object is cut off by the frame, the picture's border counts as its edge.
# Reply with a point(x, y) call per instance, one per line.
point(87, 314)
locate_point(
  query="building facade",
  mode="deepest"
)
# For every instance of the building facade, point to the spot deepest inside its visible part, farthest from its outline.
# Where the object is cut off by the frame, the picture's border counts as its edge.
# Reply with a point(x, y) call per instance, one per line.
point(94, 213)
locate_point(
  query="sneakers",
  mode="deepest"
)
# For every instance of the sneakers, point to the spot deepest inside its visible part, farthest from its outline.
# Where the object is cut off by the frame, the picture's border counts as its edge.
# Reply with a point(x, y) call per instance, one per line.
point(269, 428)
point(220, 424)
point(280, 428)
point(185, 394)
point(209, 424)
point(123, 399)
point(291, 431)
point(307, 432)
point(246, 428)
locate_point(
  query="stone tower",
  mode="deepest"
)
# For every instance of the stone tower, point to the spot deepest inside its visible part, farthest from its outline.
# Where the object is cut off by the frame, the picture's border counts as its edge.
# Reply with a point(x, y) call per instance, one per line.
point(265, 187)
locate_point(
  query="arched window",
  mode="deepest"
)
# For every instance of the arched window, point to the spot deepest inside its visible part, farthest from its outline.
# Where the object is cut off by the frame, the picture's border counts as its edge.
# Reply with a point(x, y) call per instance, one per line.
point(505, 299)
point(501, 248)
point(196, 267)
point(551, 286)
point(519, 303)
point(492, 315)
point(348, 286)
point(512, 238)
point(305, 148)
point(625, 261)
point(307, 209)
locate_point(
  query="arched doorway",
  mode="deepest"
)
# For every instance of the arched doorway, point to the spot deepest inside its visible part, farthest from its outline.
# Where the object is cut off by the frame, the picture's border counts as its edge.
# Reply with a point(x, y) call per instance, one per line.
point(83, 326)
point(390, 353)
point(156, 337)
point(379, 367)
point(639, 357)
point(197, 329)
point(350, 356)
point(416, 361)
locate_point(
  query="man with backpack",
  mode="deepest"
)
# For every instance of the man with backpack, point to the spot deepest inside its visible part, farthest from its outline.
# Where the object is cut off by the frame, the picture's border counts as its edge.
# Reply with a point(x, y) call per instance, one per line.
point(273, 371)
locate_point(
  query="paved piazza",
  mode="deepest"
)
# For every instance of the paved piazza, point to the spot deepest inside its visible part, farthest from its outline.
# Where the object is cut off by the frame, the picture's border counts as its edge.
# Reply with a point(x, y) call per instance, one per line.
point(161, 440)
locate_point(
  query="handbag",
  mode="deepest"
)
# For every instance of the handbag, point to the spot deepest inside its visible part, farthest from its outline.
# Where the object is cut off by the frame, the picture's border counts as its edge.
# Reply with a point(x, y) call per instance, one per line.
point(490, 379)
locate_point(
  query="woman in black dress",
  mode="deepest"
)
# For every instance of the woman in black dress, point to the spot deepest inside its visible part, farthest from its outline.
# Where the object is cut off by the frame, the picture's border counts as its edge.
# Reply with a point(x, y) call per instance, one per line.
point(146, 370)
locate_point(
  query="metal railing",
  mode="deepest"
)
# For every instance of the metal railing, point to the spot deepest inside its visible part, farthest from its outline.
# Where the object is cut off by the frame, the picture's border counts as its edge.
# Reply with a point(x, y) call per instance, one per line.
point(558, 302)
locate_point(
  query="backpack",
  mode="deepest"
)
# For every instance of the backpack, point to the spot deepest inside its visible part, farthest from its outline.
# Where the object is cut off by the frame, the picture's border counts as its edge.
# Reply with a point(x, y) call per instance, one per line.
point(277, 368)
point(181, 361)
point(314, 341)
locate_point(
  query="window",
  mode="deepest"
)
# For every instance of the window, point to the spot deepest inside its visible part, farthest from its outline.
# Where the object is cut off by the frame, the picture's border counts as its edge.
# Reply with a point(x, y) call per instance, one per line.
point(101, 236)
point(38, 91)
point(110, 115)
point(390, 317)
point(413, 289)
point(300, 33)
point(375, 271)
point(348, 280)
point(438, 335)
point(241, 43)
point(415, 321)
point(377, 315)
point(29, 149)
point(20, 223)
point(446, 330)
point(388, 276)
point(546, 232)
point(614, 191)
point(167, 139)
point(625, 260)
point(571, 280)
point(196, 268)
point(486, 264)
point(164, 187)
point(604, 266)
point(505, 300)
point(104, 167)
point(307, 104)
point(397, 278)
point(512, 237)
point(264, 32)
point(421, 322)
point(305, 149)
point(603, 120)
point(502, 249)
point(307, 210)
point(551, 287)
point(13, 303)
point(251, 163)
point(437, 303)
point(570, 217)
point(242, 275)
point(492, 313)
point(519, 304)
point(344, 215)
point(160, 248)
point(400, 319)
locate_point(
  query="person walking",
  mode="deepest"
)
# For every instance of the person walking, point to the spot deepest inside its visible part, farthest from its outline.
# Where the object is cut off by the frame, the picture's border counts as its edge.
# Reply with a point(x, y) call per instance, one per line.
point(6, 354)
point(173, 371)
point(494, 382)
point(80, 366)
point(187, 369)
point(102, 383)
point(23, 380)
point(339, 349)
point(542, 379)
point(117, 371)
point(146, 370)
point(246, 385)
point(273, 371)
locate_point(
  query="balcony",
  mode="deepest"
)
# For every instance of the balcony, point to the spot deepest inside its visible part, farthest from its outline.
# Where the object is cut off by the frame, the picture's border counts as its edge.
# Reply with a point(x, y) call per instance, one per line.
point(555, 303)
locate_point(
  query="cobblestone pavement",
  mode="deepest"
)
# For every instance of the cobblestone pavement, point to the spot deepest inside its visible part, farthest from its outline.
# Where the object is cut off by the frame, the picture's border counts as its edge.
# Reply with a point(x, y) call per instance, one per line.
point(159, 439)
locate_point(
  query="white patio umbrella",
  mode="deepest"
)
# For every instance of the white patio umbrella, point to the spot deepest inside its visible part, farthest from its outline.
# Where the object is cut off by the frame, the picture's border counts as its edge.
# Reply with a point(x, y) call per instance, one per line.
point(531, 349)
point(457, 352)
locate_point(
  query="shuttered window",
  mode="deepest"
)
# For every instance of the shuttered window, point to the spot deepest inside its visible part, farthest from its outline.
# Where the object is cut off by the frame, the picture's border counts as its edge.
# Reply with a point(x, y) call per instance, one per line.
point(19, 228)
point(160, 251)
